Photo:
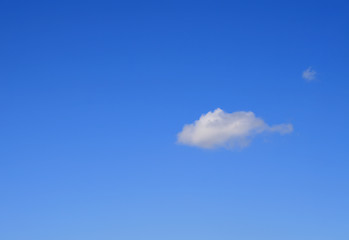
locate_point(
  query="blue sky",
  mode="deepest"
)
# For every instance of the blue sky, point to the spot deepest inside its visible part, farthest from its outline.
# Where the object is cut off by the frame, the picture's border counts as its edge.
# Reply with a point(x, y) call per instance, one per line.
point(94, 93)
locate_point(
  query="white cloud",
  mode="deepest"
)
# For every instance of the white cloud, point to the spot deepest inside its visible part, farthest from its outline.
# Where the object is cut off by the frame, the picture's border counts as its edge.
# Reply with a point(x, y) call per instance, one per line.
point(220, 129)
point(309, 74)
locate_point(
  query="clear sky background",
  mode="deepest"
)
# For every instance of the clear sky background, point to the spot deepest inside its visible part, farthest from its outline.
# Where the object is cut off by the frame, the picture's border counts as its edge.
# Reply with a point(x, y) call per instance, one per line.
point(94, 93)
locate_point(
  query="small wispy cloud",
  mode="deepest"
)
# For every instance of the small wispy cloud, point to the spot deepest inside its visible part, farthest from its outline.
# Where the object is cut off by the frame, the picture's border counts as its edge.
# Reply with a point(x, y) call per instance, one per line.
point(309, 74)
point(220, 129)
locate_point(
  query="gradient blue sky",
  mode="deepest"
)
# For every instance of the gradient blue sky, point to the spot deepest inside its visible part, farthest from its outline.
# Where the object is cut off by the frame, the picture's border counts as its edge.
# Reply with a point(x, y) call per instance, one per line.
point(93, 94)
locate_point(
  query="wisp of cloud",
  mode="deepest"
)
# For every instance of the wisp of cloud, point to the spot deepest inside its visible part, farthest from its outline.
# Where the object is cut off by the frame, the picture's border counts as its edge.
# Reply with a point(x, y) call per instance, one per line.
point(309, 74)
point(220, 129)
